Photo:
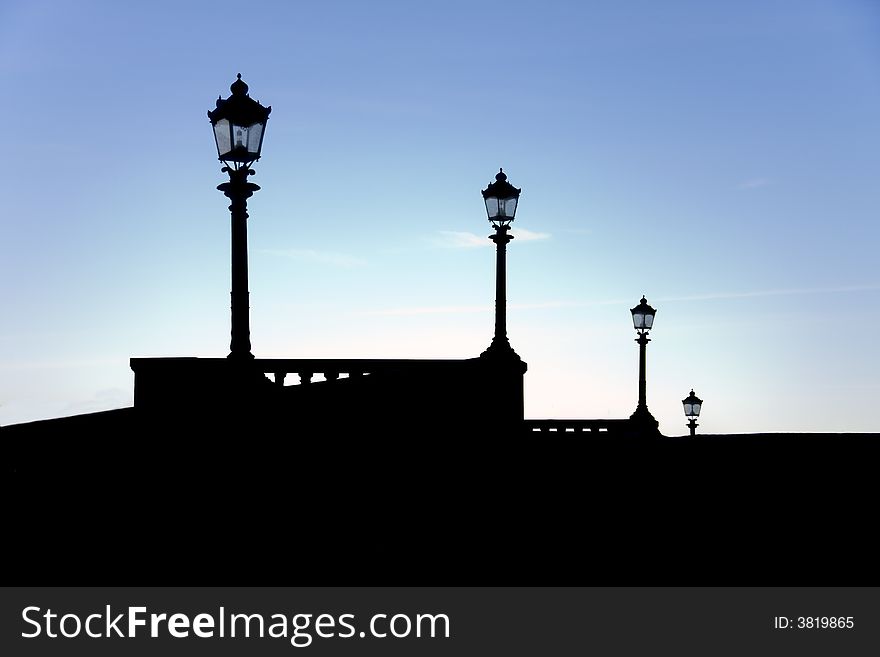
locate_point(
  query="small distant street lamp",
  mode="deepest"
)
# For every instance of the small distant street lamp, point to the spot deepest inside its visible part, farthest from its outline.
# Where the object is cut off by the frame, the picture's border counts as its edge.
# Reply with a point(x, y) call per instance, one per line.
point(643, 321)
point(692, 406)
point(239, 124)
point(501, 199)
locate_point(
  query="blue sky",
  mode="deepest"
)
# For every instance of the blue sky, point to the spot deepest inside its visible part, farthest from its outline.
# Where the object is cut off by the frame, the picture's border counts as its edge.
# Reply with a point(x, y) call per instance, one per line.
point(720, 158)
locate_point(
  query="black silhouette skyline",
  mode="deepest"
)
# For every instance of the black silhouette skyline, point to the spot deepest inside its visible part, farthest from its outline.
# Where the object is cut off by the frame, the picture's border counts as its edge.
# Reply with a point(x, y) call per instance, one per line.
point(381, 396)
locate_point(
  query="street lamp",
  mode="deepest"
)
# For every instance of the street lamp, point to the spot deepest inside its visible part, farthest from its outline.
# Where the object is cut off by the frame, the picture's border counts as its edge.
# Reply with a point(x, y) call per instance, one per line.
point(501, 199)
point(643, 321)
point(692, 406)
point(239, 124)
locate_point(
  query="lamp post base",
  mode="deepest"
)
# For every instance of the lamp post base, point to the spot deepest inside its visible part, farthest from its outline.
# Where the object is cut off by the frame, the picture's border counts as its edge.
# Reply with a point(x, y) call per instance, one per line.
point(643, 422)
point(501, 349)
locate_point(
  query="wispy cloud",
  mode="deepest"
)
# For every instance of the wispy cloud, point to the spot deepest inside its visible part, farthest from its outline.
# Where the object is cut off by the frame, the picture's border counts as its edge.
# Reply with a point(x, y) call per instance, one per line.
point(754, 183)
point(464, 240)
point(454, 239)
point(708, 296)
point(428, 310)
point(63, 364)
point(744, 294)
point(457, 310)
point(778, 292)
point(524, 235)
point(311, 256)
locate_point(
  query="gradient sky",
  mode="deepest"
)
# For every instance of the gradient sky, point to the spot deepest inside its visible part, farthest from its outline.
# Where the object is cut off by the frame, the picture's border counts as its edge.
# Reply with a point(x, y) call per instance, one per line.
point(720, 158)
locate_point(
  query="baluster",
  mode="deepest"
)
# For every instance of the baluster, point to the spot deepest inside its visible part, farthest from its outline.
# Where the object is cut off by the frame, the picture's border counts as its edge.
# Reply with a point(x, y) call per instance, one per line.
point(305, 377)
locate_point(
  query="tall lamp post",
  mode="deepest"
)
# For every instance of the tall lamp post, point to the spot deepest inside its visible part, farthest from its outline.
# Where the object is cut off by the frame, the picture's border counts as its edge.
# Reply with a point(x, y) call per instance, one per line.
point(501, 199)
point(643, 321)
point(692, 406)
point(239, 124)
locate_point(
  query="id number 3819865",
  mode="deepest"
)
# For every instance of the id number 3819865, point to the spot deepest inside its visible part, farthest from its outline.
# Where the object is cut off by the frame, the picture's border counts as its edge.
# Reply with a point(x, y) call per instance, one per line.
point(813, 623)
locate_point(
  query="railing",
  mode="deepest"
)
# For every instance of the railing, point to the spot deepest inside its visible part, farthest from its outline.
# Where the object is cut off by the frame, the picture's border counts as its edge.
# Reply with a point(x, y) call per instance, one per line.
point(576, 426)
point(391, 388)
point(317, 370)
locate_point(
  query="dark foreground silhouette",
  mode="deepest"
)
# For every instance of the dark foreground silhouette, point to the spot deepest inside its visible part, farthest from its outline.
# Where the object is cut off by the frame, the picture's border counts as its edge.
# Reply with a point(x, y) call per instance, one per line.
point(256, 496)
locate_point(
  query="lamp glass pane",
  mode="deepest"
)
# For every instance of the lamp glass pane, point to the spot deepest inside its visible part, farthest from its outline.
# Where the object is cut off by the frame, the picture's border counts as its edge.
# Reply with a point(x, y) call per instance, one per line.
point(688, 409)
point(221, 134)
point(255, 134)
point(492, 206)
point(697, 409)
point(239, 136)
point(649, 321)
point(638, 320)
point(509, 207)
